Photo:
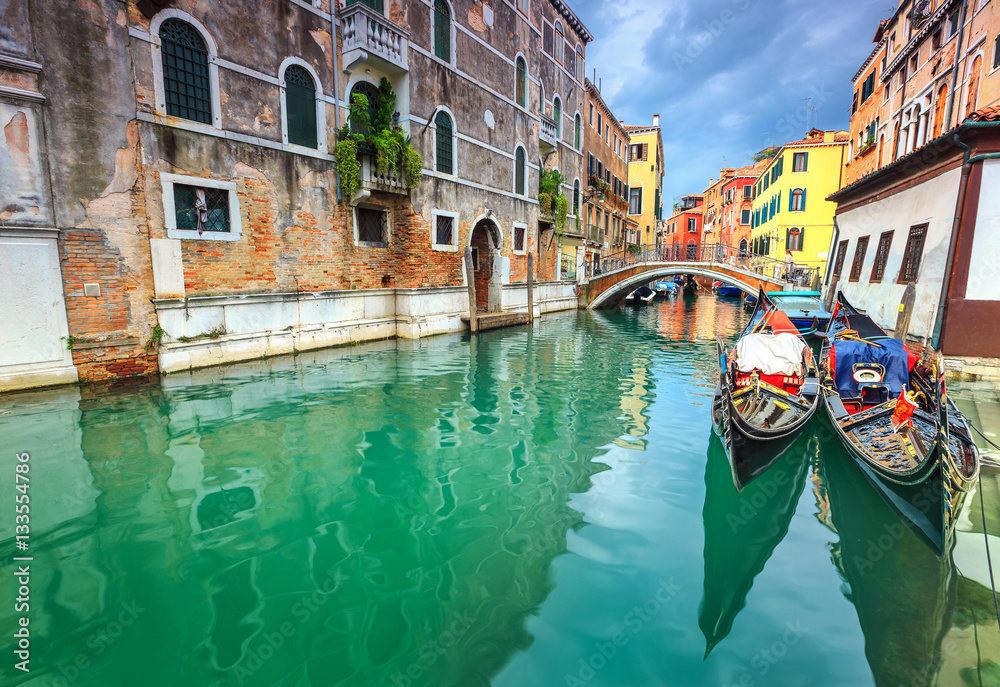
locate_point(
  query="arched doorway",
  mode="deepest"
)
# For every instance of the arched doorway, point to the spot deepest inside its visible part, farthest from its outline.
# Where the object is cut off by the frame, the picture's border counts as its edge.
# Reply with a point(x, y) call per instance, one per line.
point(486, 242)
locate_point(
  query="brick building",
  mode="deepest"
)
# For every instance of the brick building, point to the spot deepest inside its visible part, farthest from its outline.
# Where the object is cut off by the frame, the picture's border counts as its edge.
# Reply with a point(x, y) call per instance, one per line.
point(197, 212)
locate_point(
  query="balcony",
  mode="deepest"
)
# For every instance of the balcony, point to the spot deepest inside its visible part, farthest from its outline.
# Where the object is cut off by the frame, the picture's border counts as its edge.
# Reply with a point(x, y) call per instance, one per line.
point(595, 233)
point(548, 141)
point(370, 38)
point(376, 180)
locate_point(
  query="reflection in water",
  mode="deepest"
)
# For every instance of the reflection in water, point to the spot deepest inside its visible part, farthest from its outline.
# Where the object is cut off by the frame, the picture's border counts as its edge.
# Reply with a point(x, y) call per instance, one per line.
point(742, 530)
point(448, 512)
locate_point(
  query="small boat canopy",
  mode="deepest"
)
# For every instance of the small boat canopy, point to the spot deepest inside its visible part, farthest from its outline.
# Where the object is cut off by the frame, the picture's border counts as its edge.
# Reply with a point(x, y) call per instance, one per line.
point(772, 354)
point(890, 354)
point(779, 323)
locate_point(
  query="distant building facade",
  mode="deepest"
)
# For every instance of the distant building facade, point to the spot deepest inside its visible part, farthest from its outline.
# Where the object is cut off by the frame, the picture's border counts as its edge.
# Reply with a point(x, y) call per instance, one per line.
point(645, 179)
point(790, 208)
point(737, 207)
point(683, 229)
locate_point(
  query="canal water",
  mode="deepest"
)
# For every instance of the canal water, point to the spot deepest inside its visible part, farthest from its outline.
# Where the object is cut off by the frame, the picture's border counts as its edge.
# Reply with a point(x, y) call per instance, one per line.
point(543, 506)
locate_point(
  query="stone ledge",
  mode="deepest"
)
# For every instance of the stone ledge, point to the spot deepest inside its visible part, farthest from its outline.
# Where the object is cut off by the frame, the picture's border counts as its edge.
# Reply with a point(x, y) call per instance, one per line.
point(971, 369)
point(110, 343)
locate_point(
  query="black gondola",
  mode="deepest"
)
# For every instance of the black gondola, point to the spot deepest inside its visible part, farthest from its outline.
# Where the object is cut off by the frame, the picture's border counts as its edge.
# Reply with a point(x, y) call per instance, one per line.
point(890, 411)
point(690, 285)
point(764, 399)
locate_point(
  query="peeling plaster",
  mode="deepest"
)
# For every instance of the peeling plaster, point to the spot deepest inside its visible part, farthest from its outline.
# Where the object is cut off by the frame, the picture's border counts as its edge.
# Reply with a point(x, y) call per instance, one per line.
point(126, 172)
point(322, 39)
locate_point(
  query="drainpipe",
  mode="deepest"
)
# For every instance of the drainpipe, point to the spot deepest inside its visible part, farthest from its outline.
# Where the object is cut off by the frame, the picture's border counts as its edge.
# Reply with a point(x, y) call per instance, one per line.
point(954, 73)
point(336, 90)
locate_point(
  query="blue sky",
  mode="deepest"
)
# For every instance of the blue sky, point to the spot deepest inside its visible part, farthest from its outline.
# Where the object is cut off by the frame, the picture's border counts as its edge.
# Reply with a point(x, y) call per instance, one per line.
point(727, 77)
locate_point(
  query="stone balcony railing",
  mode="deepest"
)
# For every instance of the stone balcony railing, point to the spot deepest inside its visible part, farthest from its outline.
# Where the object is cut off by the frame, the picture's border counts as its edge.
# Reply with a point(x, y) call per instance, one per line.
point(547, 137)
point(370, 36)
point(374, 179)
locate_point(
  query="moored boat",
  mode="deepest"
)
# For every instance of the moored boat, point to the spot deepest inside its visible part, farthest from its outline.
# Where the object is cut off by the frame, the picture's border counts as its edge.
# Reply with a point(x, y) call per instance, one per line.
point(666, 288)
point(805, 309)
point(768, 389)
point(641, 296)
point(729, 291)
point(890, 411)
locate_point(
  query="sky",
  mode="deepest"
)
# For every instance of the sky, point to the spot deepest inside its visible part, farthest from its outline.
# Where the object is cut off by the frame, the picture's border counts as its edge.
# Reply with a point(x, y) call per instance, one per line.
point(727, 77)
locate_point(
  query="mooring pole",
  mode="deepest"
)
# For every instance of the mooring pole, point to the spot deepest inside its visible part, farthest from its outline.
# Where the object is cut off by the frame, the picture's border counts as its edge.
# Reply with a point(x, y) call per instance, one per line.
point(471, 279)
point(531, 289)
point(905, 311)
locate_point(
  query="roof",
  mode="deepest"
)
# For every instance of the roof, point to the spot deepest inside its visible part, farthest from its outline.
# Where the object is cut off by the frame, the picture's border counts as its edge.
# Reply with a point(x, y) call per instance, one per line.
point(986, 114)
point(596, 94)
point(573, 20)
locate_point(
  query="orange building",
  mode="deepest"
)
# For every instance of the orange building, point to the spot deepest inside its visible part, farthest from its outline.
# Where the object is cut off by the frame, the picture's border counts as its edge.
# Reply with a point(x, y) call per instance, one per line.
point(682, 231)
point(734, 223)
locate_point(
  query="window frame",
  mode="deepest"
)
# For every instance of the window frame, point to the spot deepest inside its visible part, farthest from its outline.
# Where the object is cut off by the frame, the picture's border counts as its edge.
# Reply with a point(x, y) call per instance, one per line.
point(580, 66)
point(443, 247)
point(513, 238)
point(521, 83)
point(520, 146)
point(905, 264)
point(388, 226)
point(557, 115)
point(167, 182)
point(638, 210)
point(578, 131)
point(451, 32)
point(523, 7)
point(841, 256)
point(804, 157)
point(442, 110)
point(749, 214)
point(882, 251)
point(159, 90)
point(799, 193)
point(799, 235)
point(860, 253)
point(559, 43)
point(320, 106)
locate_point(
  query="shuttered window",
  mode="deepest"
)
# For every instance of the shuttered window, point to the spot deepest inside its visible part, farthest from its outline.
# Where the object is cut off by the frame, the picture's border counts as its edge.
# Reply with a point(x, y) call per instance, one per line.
point(444, 143)
point(442, 30)
point(577, 132)
point(519, 171)
point(557, 115)
point(300, 101)
point(185, 72)
point(793, 239)
point(800, 162)
point(521, 82)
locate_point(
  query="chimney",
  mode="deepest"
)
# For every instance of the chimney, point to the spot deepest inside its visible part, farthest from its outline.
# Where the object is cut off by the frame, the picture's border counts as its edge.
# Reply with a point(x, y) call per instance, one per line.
point(656, 120)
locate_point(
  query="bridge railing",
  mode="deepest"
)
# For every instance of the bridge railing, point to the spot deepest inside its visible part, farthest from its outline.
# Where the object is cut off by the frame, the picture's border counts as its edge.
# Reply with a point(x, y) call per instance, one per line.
point(709, 254)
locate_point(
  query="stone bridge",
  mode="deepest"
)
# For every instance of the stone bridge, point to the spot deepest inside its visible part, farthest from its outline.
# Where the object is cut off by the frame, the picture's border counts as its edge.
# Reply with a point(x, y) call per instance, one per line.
point(625, 272)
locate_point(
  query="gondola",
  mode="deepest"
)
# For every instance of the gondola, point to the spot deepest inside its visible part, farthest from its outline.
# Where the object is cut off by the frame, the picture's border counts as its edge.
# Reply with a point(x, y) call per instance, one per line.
point(768, 389)
point(641, 296)
point(890, 411)
point(690, 286)
point(729, 291)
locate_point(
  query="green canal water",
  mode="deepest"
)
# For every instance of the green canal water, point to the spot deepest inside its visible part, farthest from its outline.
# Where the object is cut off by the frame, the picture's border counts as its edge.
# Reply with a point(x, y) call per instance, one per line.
point(543, 506)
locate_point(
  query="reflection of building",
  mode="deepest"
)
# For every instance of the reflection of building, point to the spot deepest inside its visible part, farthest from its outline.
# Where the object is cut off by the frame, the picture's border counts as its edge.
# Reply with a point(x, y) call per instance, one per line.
point(633, 404)
point(605, 214)
point(790, 208)
point(645, 180)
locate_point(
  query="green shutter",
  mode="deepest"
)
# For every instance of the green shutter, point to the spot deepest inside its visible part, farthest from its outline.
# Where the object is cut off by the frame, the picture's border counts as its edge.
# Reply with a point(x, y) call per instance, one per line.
point(778, 204)
point(522, 78)
point(805, 162)
point(300, 102)
point(791, 200)
point(803, 200)
point(444, 143)
point(442, 31)
point(519, 178)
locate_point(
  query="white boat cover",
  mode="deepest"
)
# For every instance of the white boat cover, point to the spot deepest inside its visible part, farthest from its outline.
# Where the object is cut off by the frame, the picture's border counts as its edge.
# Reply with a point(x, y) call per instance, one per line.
point(772, 354)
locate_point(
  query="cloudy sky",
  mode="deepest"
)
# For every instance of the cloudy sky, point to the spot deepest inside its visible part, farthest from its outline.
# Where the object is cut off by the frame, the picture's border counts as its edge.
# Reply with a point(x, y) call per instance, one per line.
point(727, 77)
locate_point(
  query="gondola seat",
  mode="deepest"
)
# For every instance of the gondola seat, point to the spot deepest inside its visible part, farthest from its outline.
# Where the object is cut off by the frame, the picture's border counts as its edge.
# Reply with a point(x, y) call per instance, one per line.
point(849, 357)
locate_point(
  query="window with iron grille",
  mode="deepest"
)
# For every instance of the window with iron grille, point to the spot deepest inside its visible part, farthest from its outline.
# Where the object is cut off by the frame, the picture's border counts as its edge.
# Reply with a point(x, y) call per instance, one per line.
point(371, 94)
point(186, 211)
point(859, 258)
point(185, 72)
point(519, 236)
point(444, 143)
point(838, 266)
point(300, 102)
point(442, 30)
point(913, 253)
point(444, 230)
point(520, 165)
point(373, 226)
point(522, 82)
point(881, 256)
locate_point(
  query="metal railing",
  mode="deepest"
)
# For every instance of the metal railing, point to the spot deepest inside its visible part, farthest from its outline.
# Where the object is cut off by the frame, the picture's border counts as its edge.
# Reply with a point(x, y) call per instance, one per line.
point(707, 254)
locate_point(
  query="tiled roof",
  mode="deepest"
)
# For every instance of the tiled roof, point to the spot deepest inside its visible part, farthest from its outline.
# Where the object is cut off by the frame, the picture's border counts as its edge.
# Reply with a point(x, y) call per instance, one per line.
point(986, 114)
point(841, 138)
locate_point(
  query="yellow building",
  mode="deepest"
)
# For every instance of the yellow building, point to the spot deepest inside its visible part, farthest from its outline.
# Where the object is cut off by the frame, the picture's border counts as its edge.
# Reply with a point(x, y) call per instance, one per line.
point(790, 207)
point(645, 180)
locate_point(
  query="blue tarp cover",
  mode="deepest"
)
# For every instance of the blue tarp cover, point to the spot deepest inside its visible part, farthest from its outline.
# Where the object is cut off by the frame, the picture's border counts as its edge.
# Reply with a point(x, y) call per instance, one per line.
point(893, 356)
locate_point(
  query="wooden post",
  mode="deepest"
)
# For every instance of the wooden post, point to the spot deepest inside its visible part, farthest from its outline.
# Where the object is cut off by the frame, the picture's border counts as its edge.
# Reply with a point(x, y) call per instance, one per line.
point(531, 289)
point(905, 311)
point(471, 279)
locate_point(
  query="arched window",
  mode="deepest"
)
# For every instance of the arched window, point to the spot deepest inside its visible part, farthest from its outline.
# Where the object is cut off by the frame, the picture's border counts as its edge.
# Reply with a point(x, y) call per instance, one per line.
point(797, 201)
point(743, 248)
point(444, 143)
point(579, 64)
point(793, 240)
point(560, 42)
point(521, 82)
point(442, 30)
point(185, 72)
point(973, 95)
point(300, 107)
point(557, 115)
point(576, 197)
point(520, 169)
point(577, 132)
point(371, 94)
point(939, 110)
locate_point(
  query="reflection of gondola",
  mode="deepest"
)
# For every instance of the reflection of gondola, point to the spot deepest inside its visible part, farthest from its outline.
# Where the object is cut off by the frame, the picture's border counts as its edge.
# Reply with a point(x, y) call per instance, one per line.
point(742, 530)
point(904, 596)
point(767, 391)
point(887, 410)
